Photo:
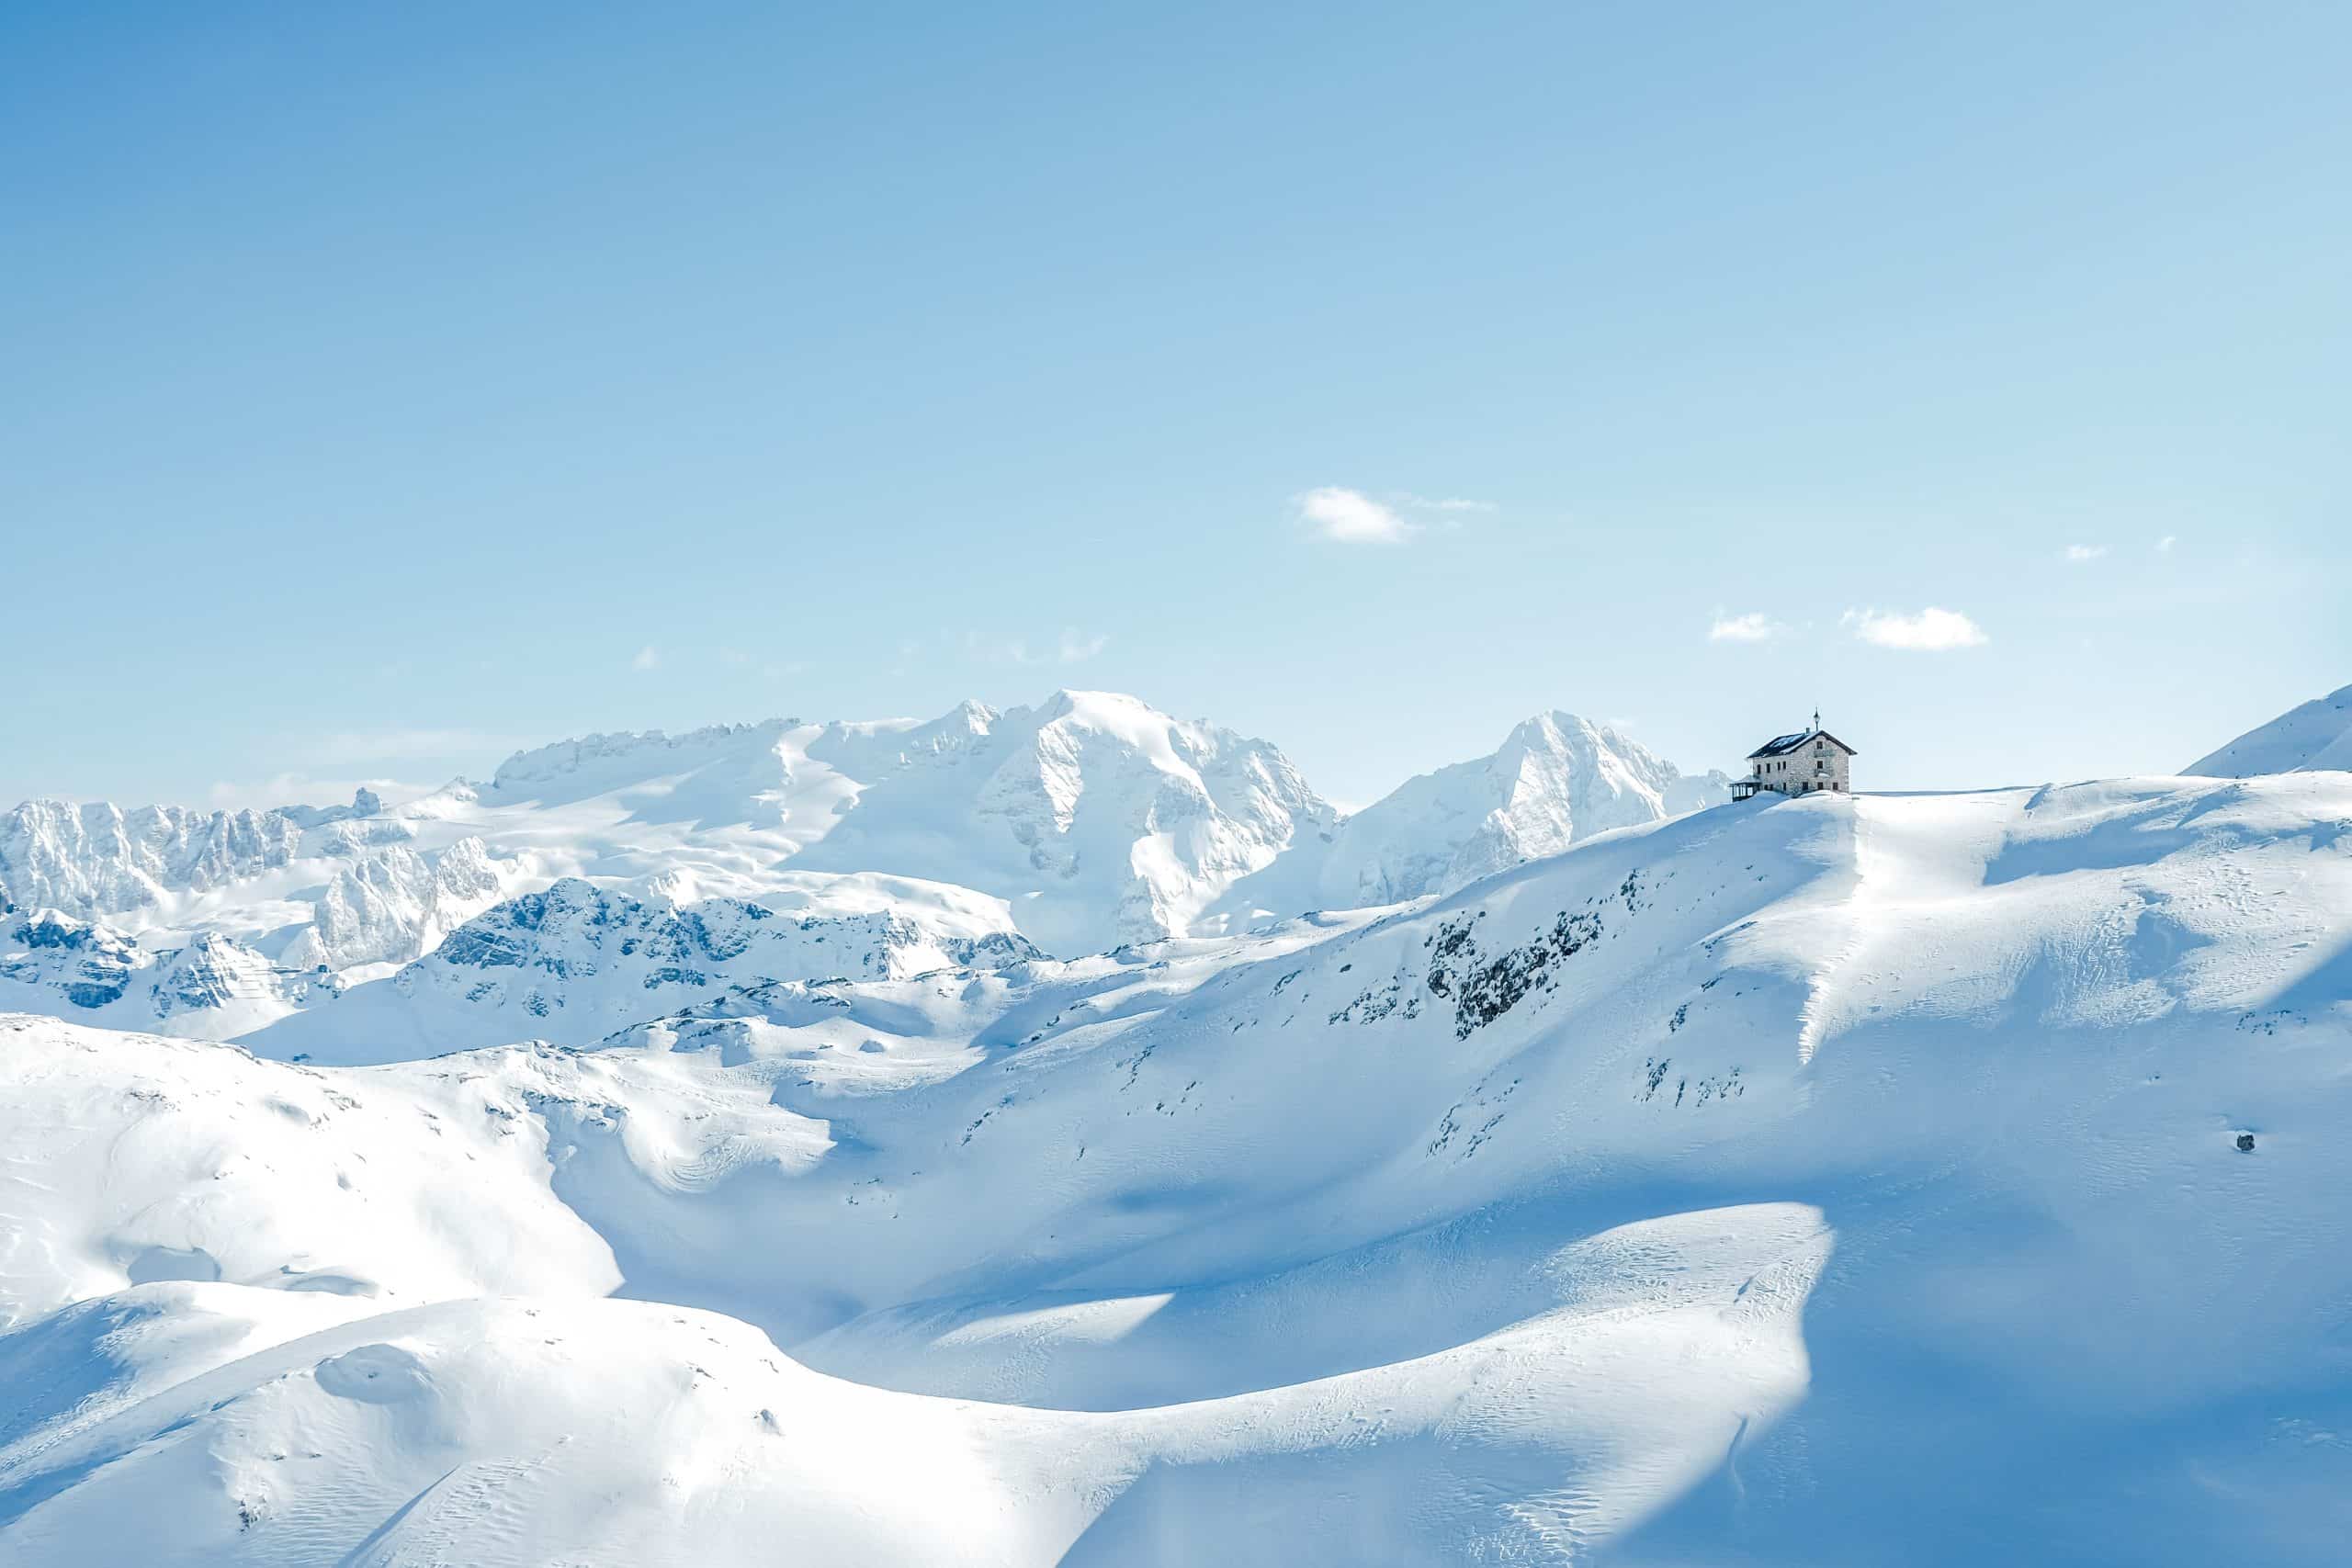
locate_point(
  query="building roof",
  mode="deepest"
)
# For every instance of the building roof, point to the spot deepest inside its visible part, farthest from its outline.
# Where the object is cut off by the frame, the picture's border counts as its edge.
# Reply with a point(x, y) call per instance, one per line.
point(1784, 745)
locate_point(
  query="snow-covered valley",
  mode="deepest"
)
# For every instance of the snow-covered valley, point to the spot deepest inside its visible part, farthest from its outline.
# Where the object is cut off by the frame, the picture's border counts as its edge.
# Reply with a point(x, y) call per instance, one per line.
point(1844, 1179)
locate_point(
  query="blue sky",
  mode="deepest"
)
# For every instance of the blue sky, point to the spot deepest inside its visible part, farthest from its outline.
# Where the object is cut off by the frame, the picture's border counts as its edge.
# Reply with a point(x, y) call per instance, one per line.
point(387, 388)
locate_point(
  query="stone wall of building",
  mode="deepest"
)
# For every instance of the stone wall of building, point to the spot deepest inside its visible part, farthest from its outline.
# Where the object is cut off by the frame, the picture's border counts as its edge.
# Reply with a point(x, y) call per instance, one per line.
point(1817, 766)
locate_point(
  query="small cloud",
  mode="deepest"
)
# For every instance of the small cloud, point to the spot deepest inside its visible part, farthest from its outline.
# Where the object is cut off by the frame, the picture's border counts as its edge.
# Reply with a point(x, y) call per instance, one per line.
point(648, 657)
point(2079, 553)
point(1449, 503)
point(2164, 545)
point(1755, 626)
point(348, 746)
point(1076, 649)
point(1073, 647)
point(1932, 630)
point(1352, 517)
point(996, 650)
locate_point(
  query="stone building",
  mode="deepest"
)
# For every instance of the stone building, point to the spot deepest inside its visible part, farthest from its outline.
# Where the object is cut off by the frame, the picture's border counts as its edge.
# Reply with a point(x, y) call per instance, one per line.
point(1799, 764)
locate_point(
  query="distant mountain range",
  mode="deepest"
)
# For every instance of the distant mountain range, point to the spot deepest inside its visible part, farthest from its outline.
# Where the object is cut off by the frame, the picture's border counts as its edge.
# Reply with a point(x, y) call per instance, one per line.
point(490, 911)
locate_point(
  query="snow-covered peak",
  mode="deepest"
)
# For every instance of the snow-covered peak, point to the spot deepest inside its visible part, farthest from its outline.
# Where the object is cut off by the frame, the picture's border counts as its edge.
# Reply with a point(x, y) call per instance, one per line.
point(591, 764)
point(2318, 734)
point(577, 961)
point(99, 858)
point(1100, 817)
point(391, 904)
point(90, 971)
point(365, 803)
point(1555, 778)
point(95, 858)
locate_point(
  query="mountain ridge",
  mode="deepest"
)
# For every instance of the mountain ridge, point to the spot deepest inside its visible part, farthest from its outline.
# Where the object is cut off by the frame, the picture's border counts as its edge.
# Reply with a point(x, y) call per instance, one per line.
point(1090, 819)
point(2316, 734)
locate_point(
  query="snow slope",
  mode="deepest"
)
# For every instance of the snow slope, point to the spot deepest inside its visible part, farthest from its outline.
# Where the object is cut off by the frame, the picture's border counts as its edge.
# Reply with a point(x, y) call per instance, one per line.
point(2318, 734)
point(1834, 1180)
point(292, 1404)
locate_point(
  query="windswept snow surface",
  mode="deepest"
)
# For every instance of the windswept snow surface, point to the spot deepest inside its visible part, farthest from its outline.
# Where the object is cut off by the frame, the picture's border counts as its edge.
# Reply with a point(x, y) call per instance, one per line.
point(1846, 1179)
point(2317, 734)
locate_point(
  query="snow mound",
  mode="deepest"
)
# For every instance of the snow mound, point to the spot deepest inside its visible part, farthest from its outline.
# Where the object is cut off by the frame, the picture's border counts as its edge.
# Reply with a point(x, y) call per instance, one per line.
point(527, 1431)
point(170, 1160)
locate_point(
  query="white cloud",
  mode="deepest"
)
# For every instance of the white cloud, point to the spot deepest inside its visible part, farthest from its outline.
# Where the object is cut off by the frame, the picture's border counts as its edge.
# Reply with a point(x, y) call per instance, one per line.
point(2164, 545)
point(1076, 647)
point(997, 651)
point(349, 746)
point(1754, 627)
point(1932, 630)
point(1352, 517)
point(1073, 647)
point(647, 658)
point(2084, 552)
point(1448, 503)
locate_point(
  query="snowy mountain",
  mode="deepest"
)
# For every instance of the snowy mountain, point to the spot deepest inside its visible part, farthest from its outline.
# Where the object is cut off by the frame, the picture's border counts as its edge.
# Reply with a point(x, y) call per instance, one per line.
point(213, 985)
point(98, 859)
point(1839, 1180)
point(386, 905)
point(1103, 820)
point(1556, 779)
point(1085, 822)
point(577, 962)
point(2317, 735)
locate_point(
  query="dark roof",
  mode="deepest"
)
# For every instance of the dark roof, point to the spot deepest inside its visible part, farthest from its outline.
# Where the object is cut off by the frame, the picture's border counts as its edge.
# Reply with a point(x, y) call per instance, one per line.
point(1783, 745)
